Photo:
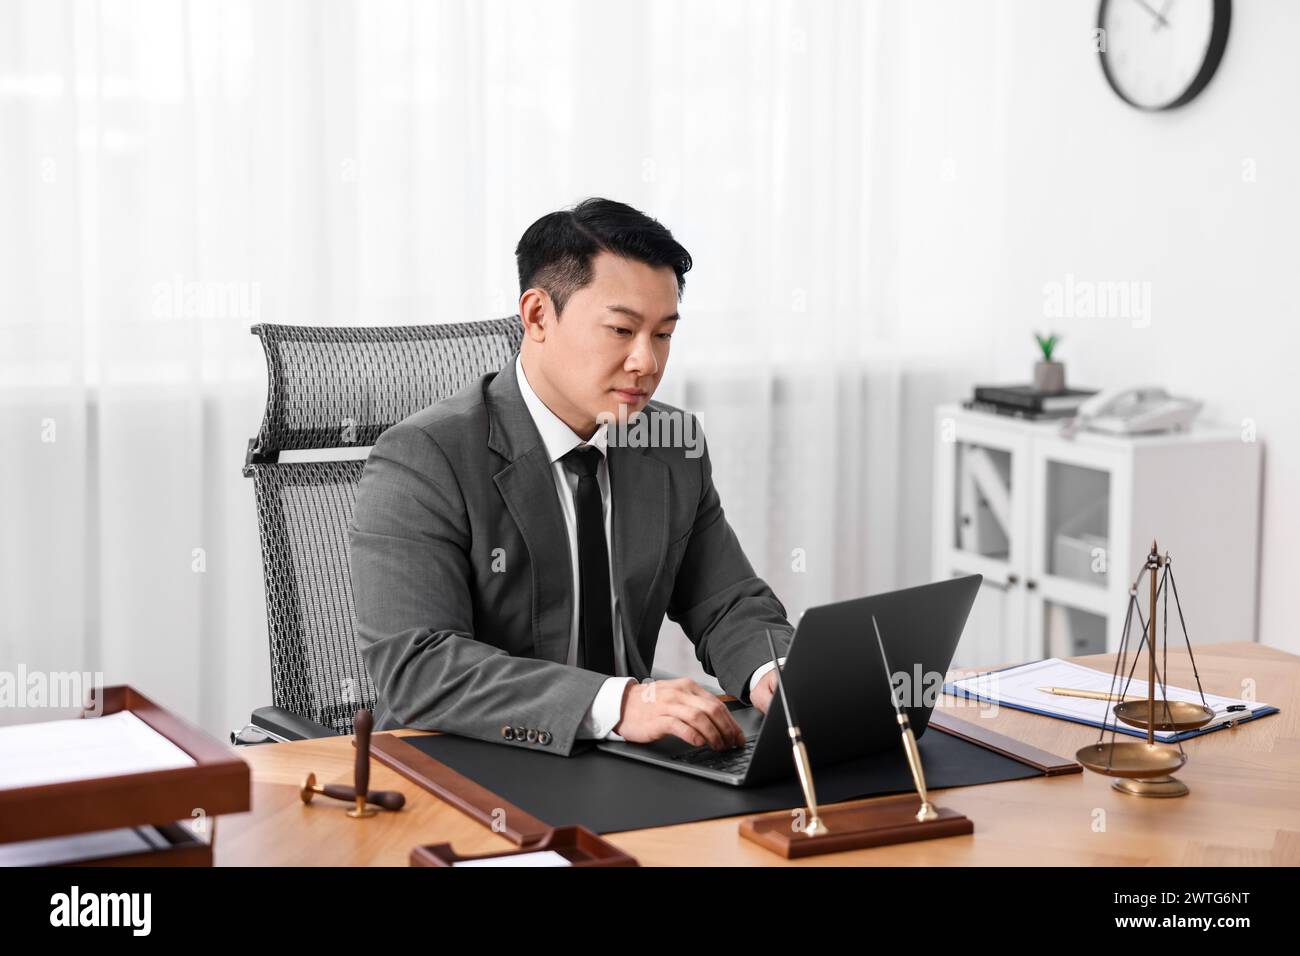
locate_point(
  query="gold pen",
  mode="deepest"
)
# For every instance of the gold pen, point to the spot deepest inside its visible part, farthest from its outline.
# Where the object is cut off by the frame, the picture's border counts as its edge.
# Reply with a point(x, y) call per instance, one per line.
point(1087, 694)
point(927, 811)
point(815, 826)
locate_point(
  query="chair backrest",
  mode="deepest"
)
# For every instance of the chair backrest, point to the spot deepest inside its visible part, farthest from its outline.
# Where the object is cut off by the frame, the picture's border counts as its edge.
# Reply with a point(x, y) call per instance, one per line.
point(339, 388)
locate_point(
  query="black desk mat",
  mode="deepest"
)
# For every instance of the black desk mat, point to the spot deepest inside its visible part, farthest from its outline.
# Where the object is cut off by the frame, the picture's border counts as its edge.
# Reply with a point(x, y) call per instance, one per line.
point(607, 794)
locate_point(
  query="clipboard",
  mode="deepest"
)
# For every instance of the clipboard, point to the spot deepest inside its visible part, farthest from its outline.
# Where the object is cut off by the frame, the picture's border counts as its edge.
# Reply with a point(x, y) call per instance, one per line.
point(951, 689)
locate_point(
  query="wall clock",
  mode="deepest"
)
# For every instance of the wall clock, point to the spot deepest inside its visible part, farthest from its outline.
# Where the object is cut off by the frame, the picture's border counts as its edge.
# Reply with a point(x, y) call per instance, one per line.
point(1159, 54)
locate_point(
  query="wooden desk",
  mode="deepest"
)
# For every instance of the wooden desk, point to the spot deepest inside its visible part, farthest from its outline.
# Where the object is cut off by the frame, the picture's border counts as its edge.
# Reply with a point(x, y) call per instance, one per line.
point(1244, 808)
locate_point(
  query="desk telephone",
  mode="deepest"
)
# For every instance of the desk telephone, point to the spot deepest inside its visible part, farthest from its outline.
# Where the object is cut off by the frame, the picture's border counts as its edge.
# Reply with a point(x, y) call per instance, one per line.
point(1134, 411)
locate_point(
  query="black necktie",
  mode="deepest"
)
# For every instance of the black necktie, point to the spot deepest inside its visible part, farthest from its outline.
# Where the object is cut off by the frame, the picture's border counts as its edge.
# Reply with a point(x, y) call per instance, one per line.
point(595, 624)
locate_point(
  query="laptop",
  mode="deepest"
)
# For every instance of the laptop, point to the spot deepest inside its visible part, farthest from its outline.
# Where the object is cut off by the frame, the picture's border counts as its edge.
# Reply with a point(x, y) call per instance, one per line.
point(837, 686)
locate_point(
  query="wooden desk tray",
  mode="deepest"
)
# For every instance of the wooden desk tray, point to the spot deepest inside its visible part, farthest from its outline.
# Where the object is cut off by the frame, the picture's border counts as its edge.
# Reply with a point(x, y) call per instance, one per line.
point(218, 783)
point(186, 850)
point(576, 844)
point(168, 844)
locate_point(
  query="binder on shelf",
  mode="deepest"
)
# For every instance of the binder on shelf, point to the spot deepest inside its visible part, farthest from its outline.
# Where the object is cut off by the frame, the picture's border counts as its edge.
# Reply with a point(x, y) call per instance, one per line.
point(1027, 398)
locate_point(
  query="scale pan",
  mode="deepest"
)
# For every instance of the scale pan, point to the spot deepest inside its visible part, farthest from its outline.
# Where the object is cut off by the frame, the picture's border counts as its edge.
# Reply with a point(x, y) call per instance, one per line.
point(1131, 759)
point(1176, 715)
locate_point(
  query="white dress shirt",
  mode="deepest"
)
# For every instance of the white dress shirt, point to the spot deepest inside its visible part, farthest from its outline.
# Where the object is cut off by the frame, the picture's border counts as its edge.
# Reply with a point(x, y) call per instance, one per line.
point(559, 439)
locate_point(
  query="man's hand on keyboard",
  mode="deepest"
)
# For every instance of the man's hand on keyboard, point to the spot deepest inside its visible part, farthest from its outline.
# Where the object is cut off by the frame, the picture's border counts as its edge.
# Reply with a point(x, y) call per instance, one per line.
point(677, 708)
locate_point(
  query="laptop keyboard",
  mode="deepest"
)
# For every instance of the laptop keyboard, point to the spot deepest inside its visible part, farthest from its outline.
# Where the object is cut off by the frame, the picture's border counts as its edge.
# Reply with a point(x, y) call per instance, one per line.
point(734, 760)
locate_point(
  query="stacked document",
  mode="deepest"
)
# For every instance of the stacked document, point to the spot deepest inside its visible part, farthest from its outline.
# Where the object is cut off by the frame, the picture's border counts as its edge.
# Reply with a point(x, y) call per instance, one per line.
point(1018, 688)
point(57, 751)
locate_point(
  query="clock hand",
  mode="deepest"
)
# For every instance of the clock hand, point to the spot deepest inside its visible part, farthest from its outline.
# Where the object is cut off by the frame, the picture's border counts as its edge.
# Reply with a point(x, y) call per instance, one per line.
point(1162, 21)
point(1151, 10)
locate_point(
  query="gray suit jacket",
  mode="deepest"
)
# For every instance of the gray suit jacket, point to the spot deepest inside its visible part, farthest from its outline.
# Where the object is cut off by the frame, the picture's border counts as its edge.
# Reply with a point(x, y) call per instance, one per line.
point(462, 581)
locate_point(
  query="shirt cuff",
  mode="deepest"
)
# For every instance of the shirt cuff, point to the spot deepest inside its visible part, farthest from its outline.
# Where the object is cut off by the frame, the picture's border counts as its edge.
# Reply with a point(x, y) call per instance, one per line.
point(759, 674)
point(605, 711)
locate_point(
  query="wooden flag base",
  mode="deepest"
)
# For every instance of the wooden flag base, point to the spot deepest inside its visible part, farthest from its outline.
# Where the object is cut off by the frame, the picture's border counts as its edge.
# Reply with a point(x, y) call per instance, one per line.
point(877, 823)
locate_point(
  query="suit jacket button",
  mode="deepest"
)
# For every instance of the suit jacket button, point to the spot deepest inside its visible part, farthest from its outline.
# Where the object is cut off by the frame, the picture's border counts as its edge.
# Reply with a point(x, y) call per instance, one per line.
point(508, 733)
point(543, 738)
point(520, 734)
point(532, 735)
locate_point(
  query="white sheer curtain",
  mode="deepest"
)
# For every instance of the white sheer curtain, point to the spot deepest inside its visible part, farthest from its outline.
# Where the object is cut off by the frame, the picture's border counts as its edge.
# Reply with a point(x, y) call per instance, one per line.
point(172, 172)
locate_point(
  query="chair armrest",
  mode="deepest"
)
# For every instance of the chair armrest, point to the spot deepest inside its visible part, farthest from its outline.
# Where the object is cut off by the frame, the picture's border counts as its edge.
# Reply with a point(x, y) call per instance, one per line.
point(288, 725)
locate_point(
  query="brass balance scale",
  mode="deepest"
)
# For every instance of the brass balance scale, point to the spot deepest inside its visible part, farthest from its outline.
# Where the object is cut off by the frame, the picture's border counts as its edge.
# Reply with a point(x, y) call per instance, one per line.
point(1145, 768)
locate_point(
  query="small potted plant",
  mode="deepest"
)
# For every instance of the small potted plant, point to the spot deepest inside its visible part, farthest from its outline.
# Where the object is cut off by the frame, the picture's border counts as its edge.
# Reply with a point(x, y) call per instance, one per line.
point(1049, 376)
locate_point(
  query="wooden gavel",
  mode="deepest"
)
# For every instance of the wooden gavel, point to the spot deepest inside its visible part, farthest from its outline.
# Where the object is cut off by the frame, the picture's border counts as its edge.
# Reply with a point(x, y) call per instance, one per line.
point(360, 794)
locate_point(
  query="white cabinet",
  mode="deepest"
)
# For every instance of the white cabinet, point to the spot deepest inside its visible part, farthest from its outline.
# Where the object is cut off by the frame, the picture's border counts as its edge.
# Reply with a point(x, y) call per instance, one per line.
point(1060, 527)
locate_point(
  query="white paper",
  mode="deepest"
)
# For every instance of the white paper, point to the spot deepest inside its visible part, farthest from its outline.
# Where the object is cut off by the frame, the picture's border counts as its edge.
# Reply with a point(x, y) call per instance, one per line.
point(1018, 686)
point(82, 749)
point(536, 858)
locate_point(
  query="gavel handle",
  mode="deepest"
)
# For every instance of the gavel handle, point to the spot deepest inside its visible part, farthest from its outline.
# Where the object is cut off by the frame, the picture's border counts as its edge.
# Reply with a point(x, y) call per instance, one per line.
point(388, 799)
point(362, 724)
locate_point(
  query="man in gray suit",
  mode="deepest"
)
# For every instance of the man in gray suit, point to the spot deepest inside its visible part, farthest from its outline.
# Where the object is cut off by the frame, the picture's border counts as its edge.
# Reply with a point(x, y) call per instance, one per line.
point(516, 547)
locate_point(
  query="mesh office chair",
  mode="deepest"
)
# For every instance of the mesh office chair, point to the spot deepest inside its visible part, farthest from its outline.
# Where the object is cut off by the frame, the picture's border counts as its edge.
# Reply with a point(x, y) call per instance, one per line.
point(336, 388)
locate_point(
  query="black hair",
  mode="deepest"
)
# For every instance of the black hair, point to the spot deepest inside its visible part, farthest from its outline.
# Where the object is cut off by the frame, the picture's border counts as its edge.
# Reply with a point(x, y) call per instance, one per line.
point(555, 252)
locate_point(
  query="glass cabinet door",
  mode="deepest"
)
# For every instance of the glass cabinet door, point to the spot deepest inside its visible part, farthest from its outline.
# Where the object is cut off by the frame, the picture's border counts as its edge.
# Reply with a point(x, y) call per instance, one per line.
point(1076, 523)
point(1071, 631)
point(981, 497)
point(982, 503)
point(982, 484)
point(1075, 578)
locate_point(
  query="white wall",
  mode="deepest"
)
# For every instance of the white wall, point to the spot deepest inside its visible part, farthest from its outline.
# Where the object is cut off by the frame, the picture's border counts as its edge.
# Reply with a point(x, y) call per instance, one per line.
point(1051, 174)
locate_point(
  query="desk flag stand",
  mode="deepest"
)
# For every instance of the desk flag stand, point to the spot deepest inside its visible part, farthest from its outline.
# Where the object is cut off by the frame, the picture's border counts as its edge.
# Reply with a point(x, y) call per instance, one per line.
point(878, 822)
point(1145, 769)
